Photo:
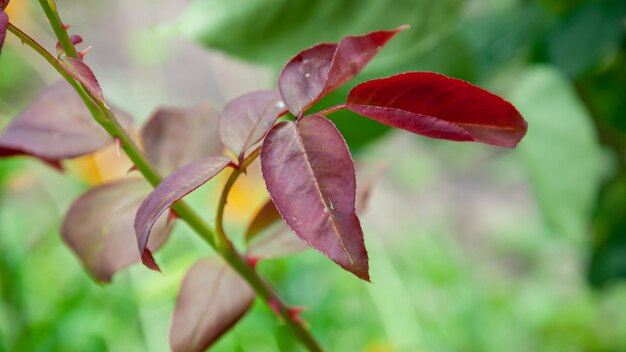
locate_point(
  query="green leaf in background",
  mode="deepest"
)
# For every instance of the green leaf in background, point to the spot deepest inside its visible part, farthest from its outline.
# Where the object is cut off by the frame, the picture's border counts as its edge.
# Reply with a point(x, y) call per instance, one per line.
point(588, 34)
point(496, 37)
point(560, 151)
point(608, 253)
point(272, 31)
point(605, 94)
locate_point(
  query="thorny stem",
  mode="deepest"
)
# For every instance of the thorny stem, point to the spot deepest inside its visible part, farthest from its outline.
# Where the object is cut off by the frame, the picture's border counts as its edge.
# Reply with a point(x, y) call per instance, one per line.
point(50, 9)
point(105, 117)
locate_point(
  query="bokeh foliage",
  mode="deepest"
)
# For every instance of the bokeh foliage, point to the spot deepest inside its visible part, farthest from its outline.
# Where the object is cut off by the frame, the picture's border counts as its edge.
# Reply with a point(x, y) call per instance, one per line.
point(517, 285)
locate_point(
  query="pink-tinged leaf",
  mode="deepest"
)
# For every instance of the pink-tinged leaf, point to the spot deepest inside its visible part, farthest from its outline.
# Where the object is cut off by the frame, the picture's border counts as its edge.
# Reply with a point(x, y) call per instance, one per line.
point(83, 74)
point(275, 244)
point(99, 227)
point(246, 119)
point(174, 137)
point(263, 219)
point(310, 176)
point(213, 297)
point(367, 176)
point(279, 242)
point(56, 126)
point(319, 70)
point(76, 39)
point(4, 22)
point(437, 106)
point(180, 183)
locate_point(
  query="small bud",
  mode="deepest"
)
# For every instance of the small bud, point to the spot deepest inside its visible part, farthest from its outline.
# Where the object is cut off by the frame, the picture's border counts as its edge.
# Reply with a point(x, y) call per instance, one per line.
point(67, 26)
point(132, 168)
point(294, 313)
point(252, 261)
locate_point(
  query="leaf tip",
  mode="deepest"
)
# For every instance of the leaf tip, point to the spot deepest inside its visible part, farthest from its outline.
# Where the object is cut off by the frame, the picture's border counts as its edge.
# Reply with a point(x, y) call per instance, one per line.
point(403, 27)
point(171, 217)
point(148, 260)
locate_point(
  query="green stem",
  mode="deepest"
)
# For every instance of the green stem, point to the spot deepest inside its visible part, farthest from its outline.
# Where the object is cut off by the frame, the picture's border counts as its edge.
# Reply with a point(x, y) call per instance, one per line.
point(103, 115)
point(262, 288)
point(219, 228)
point(57, 66)
point(50, 9)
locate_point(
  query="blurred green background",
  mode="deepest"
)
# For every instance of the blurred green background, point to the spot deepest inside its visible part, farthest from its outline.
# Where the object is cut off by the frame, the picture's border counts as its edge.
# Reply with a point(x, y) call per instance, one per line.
point(472, 248)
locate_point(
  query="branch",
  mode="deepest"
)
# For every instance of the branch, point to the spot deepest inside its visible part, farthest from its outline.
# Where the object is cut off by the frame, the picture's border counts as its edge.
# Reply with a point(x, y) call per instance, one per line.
point(103, 115)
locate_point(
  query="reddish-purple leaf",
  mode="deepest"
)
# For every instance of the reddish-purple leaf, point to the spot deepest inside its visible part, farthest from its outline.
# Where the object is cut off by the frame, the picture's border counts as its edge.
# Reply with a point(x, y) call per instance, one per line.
point(83, 74)
point(76, 39)
point(99, 227)
point(437, 106)
point(4, 4)
point(174, 187)
point(56, 126)
point(213, 297)
point(319, 70)
point(310, 176)
point(264, 218)
point(247, 118)
point(277, 243)
point(173, 137)
point(4, 22)
point(367, 176)
point(280, 242)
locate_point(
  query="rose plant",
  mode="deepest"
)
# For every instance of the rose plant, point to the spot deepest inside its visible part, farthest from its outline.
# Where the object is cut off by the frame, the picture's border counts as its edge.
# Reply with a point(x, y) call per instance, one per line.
point(306, 164)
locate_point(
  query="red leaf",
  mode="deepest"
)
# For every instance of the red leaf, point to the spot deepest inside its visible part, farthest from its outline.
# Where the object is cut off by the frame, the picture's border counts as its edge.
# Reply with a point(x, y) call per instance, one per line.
point(174, 187)
point(436, 106)
point(99, 227)
point(173, 137)
point(76, 39)
point(212, 298)
point(4, 22)
point(246, 119)
point(83, 74)
point(310, 176)
point(319, 70)
point(56, 126)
